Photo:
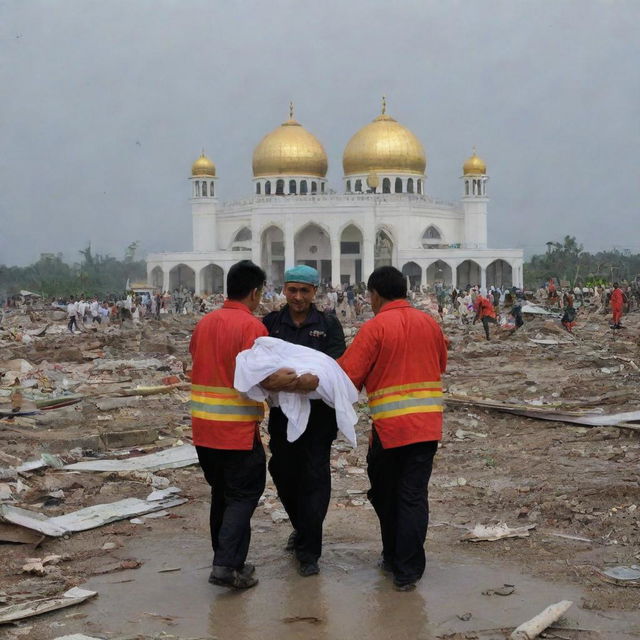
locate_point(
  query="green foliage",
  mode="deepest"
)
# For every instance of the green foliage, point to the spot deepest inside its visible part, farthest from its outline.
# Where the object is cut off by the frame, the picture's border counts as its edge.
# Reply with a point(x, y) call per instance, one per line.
point(99, 275)
point(567, 261)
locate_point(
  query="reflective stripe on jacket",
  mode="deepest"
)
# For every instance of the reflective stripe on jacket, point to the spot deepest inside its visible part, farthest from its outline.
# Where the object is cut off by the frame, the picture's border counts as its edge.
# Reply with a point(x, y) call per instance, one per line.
point(399, 356)
point(223, 404)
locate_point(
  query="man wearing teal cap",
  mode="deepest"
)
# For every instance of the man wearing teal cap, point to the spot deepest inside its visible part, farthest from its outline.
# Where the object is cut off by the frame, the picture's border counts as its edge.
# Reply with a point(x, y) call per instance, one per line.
point(300, 469)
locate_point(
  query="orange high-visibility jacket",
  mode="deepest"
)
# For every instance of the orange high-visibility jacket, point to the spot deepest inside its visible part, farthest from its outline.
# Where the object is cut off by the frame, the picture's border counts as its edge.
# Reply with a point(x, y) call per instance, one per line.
point(617, 299)
point(484, 308)
point(221, 417)
point(399, 356)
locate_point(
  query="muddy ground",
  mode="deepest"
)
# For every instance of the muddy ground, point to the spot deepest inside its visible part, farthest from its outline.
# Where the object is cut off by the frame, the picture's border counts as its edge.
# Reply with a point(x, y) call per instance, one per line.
point(579, 487)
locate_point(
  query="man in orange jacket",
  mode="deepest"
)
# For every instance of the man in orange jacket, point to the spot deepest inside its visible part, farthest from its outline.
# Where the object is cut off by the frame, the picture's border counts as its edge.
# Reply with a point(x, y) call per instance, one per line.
point(485, 313)
point(225, 423)
point(616, 302)
point(399, 357)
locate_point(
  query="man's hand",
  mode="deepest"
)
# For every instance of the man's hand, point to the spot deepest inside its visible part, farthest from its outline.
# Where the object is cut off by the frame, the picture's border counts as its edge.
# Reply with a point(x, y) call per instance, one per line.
point(280, 379)
point(307, 382)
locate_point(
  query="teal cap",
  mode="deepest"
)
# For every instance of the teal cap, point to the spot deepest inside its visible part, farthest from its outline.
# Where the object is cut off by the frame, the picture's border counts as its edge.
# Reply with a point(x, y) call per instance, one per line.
point(302, 273)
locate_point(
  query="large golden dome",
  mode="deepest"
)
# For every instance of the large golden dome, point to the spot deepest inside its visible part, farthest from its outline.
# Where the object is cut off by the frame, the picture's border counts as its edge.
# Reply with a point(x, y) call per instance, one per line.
point(474, 165)
point(290, 150)
point(203, 167)
point(384, 146)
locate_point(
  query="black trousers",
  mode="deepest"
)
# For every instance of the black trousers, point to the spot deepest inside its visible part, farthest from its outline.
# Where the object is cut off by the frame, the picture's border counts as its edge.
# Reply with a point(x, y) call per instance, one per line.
point(237, 480)
point(399, 494)
point(302, 474)
point(485, 323)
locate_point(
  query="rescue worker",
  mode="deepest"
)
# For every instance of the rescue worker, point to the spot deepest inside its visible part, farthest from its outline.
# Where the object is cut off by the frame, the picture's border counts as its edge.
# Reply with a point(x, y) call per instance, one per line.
point(569, 314)
point(616, 302)
point(225, 424)
point(399, 357)
point(485, 313)
point(300, 469)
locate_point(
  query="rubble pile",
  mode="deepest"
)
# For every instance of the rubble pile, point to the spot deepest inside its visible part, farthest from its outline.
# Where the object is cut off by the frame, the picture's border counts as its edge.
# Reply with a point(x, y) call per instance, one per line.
point(95, 430)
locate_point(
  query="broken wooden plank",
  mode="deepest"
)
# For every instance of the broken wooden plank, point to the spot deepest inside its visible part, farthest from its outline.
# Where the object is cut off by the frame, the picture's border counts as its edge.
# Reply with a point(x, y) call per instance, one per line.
point(172, 458)
point(24, 610)
point(534, 627)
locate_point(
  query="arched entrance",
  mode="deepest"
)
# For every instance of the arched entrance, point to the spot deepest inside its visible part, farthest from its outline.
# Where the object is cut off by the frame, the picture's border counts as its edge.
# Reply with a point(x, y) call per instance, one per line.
point(351, 255)
point(439, 271)
point(383, 250)
point(312, 246)
point(432, 238)
point(211, 279)
point(413, 271)
point(468, 274)
point(157, 278)
point(182, 277)
point(272, 243)
point(499, 274)
point(242, 240)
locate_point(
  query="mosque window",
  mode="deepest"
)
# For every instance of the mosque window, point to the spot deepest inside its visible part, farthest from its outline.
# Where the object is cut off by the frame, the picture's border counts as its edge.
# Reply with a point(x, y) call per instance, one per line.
point(358, 186)
point(410, 185)
point(419, 186)
point(386, 186)
point(204, 189)
point(466, 187)
point(258, 189)
point(293, 187)
point(348, 186)
point(280, 187)
point(314, 187)
point(267, 188)
point(211, 189)
point(197, 188)
point(303, 187)
point(398, 185)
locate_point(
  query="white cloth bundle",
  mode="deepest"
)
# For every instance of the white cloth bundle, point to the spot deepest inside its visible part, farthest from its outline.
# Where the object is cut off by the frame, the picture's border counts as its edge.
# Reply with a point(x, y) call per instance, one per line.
point(270, 354)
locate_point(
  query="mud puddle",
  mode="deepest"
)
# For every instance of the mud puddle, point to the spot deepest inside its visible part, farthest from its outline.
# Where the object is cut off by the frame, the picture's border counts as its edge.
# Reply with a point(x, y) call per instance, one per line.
point(349, 599)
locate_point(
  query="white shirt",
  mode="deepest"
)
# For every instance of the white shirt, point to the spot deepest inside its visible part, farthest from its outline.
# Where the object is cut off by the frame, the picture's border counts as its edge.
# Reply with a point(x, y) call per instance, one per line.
point(270, 354)
point(72, 310)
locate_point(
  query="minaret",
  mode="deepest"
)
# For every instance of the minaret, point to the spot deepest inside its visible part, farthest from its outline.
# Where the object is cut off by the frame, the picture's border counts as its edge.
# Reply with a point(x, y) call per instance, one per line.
point(474, 202)
point(203, 204)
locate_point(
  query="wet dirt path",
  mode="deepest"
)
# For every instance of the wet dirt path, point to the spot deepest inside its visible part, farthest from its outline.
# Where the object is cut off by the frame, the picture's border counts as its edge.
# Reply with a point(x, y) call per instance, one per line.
point(349, 599)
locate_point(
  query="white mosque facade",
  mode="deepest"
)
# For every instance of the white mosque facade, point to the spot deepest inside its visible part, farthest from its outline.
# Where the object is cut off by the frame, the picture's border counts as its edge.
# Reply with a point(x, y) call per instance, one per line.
point(383, 215)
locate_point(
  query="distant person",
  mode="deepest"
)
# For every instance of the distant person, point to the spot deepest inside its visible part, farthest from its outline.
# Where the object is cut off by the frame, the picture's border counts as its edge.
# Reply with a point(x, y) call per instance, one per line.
point(72, 315)
point(484, 313)
point(616, 302)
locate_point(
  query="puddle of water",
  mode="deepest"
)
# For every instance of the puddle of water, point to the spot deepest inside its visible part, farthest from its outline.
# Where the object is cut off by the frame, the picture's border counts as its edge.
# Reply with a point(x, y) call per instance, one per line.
point(349, 599)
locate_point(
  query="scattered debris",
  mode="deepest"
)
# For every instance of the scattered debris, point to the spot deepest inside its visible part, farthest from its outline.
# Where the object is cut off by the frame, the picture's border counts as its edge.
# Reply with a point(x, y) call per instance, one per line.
point(504, 590)
point(490, 533)
point(534, 627)
point(32, 608)
point(84, 519)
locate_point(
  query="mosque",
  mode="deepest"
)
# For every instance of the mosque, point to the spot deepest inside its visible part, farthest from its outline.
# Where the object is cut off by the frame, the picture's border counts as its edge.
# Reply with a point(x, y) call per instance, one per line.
point(382, 215)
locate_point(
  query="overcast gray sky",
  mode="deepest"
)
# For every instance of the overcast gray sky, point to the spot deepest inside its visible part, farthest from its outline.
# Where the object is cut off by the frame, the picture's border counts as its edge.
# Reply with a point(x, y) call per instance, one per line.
point(105, 105)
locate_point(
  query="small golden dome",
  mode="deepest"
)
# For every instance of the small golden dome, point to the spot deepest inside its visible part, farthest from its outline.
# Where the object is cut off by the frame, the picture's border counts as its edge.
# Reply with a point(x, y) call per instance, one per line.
point(474, 166)
point(203, 167)
point(384, 146)
point(290, 150)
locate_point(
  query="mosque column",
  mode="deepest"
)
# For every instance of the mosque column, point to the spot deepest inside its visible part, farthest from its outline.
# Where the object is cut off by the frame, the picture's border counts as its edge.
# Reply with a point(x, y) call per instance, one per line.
point(423, 281)
point(335, 259)
point(224, 282)
point(483, 279)
point(165, 279)
point(256, 245)
point(289, 247)
point(454, 275)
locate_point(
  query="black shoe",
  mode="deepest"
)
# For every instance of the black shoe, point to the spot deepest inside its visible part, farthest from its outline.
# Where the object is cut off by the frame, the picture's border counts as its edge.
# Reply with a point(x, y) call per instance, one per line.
point(248, 569)
point(291, 541)
point(385, 565)
point(307, 569)
point(232, 578)
point(404, 586)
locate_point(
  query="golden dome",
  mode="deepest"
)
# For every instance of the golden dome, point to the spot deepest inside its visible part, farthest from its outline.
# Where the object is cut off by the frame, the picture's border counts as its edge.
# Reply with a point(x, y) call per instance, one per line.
point(290, 150)
point(474, 166)
point(384, 146)
point(203, 167)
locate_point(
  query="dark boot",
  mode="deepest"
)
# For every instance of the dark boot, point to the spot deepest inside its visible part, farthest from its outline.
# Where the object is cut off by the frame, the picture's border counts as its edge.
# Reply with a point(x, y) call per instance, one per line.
point(232, 578)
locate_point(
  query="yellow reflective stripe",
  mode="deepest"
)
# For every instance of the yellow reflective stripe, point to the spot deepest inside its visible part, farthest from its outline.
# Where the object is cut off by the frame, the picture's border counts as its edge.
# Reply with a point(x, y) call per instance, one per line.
point(223, 417)
point(240, 402)
point(202, 387)
point(403, 412)
point(403, 387)
point(405, 396)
